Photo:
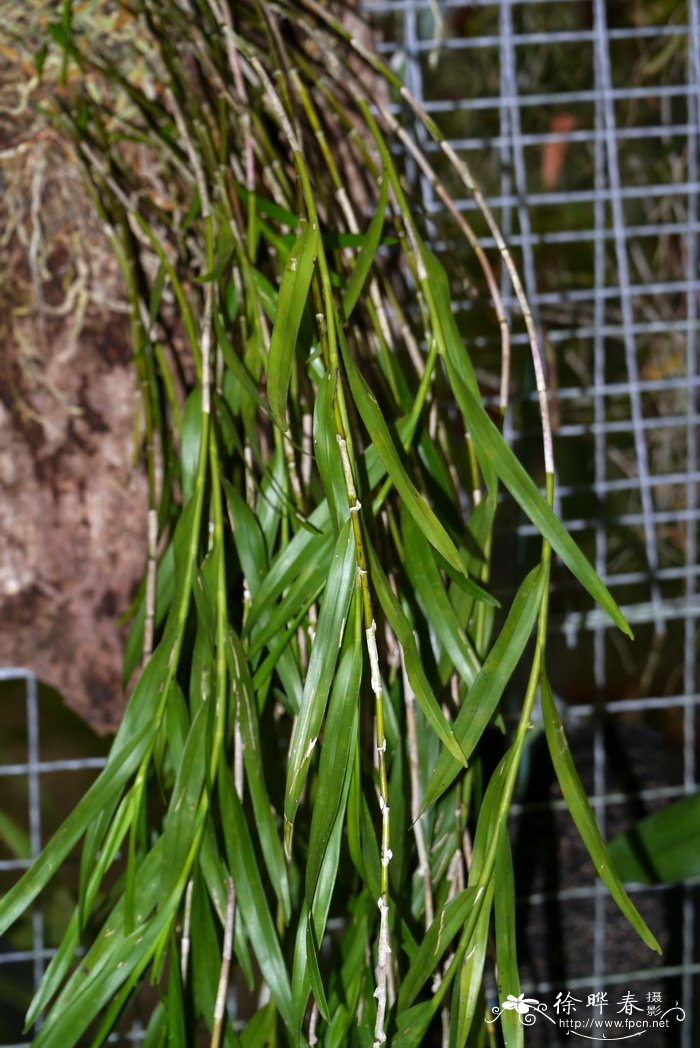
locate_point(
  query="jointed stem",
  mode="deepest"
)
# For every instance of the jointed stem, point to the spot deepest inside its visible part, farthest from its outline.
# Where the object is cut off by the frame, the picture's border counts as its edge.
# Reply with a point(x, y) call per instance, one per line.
point(346, 455)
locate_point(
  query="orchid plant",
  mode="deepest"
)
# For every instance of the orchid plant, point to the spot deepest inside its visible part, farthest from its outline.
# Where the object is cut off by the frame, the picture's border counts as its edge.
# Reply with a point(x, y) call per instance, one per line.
point(296, 839)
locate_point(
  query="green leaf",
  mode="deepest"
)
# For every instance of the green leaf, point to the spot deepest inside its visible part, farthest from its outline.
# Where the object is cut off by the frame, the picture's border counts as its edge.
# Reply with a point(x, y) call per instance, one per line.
point(265, 206)
point(337, 750)
point(255, 775)
point(251, 897)
point(412, 1025)
point(367, 253)
point(582, 814)
point(306, 948)
point(327, 452)
point(231, 302)
point(294, 556)
point(133, 651)
point(319, 676)
point(157, 1030)
point(662, 848)
point(493, 451)
point(40, 59)
point(14, 837)
point(416, 504)
point(291, 302)
point(107, 786)
point(183, 811)
point(349, 975)
point(191, 436)
point(70, 1018)
point(62, 958)
point(424, 576)
point(183, 304)
point(506, 940)
point(468, 988)
point(248, 537)
point(314, 971)
point(259, 1030)
point(313, 570)
point(114, 959)
point(225, 248)
point(206, 959)
point(485, 693)
point(235, 364)
point(414, 666)
point(445, 926)
point(175, 999)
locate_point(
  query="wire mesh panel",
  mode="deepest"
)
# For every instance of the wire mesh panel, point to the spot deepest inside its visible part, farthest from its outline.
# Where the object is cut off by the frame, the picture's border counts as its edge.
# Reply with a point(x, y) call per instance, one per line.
point(25, 962)
point(48, 758)
point(580, 122)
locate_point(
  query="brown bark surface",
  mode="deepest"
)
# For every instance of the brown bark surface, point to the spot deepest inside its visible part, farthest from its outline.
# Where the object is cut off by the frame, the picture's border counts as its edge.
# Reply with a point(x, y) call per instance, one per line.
point(72, 503)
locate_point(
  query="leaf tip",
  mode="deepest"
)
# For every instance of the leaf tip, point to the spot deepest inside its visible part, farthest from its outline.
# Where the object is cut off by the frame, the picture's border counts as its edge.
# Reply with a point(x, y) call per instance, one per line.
point(622, 624)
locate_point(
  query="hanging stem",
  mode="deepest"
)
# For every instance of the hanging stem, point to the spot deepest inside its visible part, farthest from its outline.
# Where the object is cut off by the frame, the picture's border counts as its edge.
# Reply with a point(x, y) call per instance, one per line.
point(226, 955)
point(355, 507)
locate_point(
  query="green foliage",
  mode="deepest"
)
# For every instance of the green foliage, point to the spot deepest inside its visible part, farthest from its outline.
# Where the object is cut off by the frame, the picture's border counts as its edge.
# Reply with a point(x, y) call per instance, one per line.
point(320, 656)
point(662, 847)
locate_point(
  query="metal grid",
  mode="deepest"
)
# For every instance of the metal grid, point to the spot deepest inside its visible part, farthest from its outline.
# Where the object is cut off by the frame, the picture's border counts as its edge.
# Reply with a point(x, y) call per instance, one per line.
point(608, 250)
point(27, 960)
point(35, 956)
point(609, 256)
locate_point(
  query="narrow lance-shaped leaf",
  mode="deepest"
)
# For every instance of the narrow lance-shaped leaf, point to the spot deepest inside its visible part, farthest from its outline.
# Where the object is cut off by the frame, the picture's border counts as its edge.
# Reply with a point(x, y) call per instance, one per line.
point(492, 449)
point(255, 776)
point(314, 970)
point(488, 687)
point(327, 849)
point(252, 901)
point(582, 814)
point(129, 961)
point(248, 537)
point(234, 364)
point(373, 418)
point(327, 453)
point(300, 594)
point(214, 880)
point(107, 786)
point(478, 895)
point(113, 956)
point(260, 1028)
point(412, 1025)
point(506, 940)
point(337, 749)
point(64, 955)
point(319, 676)
point(434, 945)
point(205, 962)
point(414, 667)
point(306, 973)
point(467, 989)
point(663, 847)
point(288, 563)
point(175, 997)
point(365, 258)
point(291, 302)
point(165, 578)
point(424, 576)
